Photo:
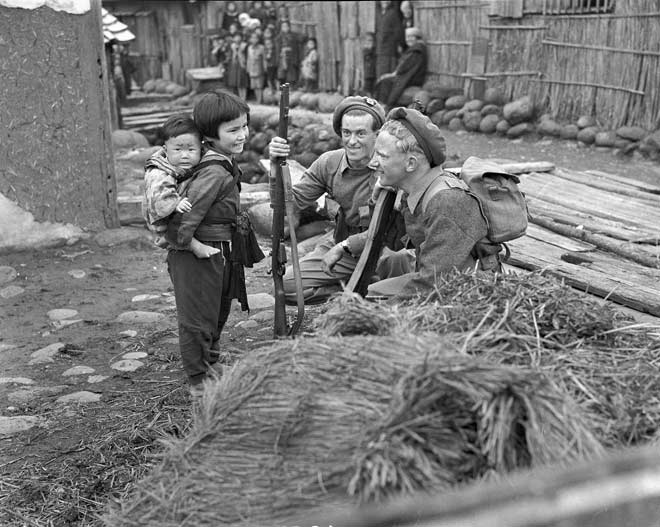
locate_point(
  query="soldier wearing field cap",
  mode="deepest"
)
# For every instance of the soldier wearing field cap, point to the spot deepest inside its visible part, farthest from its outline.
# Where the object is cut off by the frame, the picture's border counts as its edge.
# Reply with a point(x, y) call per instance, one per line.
point(344, 174)
point(443, 221)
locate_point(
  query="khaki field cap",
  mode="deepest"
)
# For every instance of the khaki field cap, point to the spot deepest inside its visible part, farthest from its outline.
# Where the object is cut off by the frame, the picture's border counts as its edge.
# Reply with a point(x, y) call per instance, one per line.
point(427, 134)
point(366, 104)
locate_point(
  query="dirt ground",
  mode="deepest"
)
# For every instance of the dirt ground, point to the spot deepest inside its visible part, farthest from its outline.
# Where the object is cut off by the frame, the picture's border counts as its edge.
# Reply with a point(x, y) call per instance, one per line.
point(79, 455)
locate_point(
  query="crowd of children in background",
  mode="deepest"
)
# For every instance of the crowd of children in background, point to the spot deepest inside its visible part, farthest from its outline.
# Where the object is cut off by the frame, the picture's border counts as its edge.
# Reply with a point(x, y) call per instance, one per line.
point(258, 49)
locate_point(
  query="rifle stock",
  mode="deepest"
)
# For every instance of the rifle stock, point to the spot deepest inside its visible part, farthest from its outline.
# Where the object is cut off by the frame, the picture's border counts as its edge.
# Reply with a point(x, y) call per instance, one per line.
point(381, 222)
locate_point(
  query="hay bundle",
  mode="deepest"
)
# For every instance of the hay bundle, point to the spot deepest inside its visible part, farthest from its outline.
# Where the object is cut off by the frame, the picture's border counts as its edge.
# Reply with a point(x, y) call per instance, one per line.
point(609, 366)
point(297, 424)
point(463, 420)
point(532, 305)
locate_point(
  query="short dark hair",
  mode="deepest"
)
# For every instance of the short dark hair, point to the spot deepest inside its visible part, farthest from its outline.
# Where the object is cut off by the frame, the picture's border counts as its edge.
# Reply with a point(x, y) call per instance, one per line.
point(179, 124)
point(215, 108)
point(357, 112)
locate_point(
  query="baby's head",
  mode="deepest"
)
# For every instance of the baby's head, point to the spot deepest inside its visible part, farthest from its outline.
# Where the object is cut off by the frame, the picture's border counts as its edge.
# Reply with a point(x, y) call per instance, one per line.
point(183, 141)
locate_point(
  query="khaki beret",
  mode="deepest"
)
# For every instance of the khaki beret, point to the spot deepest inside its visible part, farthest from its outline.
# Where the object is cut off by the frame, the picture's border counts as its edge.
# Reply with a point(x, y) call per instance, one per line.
point(427, 134)
point(366, 104)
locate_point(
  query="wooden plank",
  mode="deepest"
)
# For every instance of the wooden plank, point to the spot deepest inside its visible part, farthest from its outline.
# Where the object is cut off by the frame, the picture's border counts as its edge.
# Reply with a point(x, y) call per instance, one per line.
point(512, 167)
point(563, 242)
point(635, 253)
point(597, 202)
point(593, 223)
point(618, 187)
point(634, 183)
point(596, 272)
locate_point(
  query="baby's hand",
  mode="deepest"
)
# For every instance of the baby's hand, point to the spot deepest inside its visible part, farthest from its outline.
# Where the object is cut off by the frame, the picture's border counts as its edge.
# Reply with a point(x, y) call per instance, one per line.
point(184, 206)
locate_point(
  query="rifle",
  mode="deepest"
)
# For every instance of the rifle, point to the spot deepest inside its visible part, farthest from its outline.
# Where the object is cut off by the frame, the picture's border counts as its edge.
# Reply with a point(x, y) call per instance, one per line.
point(382, 220)
point(281, 201)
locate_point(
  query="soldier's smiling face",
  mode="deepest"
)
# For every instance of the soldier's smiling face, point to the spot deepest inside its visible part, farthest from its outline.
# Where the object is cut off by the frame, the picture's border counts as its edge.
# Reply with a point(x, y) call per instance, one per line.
point(358, 138)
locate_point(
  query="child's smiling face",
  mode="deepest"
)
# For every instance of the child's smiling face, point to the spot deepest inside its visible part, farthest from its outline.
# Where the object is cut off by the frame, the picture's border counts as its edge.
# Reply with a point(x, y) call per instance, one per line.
point(232, 136)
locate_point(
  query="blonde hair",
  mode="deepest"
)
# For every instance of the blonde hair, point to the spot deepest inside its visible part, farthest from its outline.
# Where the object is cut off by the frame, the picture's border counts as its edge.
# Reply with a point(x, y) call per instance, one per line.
point(406, 142)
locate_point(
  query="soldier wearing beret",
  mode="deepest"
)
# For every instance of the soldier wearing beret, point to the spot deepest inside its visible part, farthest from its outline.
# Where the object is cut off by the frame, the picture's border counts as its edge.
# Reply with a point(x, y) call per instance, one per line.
point(344, 174)
point(443, 221)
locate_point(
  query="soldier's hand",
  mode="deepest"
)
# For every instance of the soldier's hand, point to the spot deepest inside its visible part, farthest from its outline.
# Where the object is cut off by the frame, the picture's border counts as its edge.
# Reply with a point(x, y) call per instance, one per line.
point(331, 258)
point(278, 147)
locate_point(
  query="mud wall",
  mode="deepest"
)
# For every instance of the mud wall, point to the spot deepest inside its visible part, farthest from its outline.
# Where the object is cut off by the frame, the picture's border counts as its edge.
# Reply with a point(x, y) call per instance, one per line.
point(55, 136)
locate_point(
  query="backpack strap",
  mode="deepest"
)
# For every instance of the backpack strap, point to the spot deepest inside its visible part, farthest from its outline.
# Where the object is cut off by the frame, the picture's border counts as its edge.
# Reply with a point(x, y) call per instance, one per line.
point(445, 181)
point(234, 170)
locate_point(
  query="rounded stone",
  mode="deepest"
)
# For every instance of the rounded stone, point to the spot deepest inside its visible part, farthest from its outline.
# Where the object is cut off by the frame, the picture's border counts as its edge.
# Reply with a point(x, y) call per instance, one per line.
point(7, 274)
point(260, 301)
point(46, 354)
point(16, 380)
point(247, 324)
point(78, 370)
point(488, 124)
point(11, 291)
point(77, 273)
point(134, 355)
point(143, 298)
point(18, 423)
point(61, 314)
point(93, 379)
point(127, 365)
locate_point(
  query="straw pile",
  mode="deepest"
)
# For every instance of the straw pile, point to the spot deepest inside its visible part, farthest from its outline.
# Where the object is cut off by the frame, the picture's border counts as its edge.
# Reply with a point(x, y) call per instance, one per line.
point(338, 420)
point(609, 365)
point(532, 306)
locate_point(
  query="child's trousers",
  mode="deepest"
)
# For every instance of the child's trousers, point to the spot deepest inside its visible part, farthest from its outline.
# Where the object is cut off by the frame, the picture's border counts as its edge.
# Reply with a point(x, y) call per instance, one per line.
point(201, 287)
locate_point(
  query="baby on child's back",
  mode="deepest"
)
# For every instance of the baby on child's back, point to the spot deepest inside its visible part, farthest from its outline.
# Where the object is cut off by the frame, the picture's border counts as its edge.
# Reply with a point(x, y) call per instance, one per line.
point(165, 175)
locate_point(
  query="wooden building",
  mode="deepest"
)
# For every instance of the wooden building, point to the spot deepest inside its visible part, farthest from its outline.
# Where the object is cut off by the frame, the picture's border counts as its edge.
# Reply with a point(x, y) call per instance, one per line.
point(574, 57)
point(171, 36)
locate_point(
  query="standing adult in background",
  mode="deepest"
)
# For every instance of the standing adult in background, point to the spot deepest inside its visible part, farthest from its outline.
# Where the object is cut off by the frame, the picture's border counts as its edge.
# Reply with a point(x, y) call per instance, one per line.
point(230, 16)
point(258, 11)
point(411, 70)
point(389, 37)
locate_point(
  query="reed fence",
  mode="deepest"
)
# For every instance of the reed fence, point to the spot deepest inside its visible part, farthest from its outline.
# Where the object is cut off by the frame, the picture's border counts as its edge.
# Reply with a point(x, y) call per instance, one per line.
point(603, 61)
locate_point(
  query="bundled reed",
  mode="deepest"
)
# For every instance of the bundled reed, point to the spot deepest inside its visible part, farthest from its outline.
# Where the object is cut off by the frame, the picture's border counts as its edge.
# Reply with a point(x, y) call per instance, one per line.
point(521, 306)
point(609, 365)
point(337, 420)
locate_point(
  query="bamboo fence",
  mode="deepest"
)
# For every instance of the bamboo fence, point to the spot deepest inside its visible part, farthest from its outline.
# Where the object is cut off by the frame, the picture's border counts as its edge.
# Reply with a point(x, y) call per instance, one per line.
point(449, 28)
point(602, 59)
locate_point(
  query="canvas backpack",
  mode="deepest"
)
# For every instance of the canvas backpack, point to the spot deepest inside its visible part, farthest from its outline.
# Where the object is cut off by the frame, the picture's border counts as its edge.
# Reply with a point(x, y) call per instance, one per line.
point(502, 204)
